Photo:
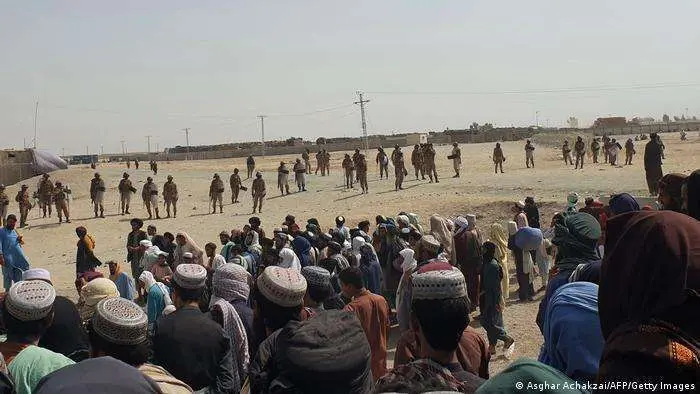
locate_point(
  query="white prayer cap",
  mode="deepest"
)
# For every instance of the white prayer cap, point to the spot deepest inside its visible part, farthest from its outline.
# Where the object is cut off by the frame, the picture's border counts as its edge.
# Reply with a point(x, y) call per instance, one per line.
point(36, 274)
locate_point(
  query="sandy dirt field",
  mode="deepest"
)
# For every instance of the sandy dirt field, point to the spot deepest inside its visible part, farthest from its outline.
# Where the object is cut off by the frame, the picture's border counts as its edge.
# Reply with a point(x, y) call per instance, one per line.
point(479, 190)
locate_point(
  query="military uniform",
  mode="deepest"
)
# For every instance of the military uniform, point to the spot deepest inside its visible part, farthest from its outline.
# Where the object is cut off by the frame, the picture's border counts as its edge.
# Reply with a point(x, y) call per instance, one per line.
point(629, 152)
point(456, 160)
point(529, 154)
point(307, 161)
point(580, 149)
point(595, 149)
point(383, 162)
point(348, 167)
point(361, 169)
point(429, 160)
point(417, 161)
point(235, 183)
point(320, 163)
point(300, 175)
point(250, 163)
point(399, 169)
point(327, 161)
point(355, 158)
point(125, 190)
point(170, 196)
point(149, 194)
point(97, 194)
point(61, 198)
point(45, 192)
point(258, 192)
point(566, 153)
point(216, 193)
point(4, 204)
point(498, 158)
point(606, 148)
point(283, 178)
point(25, 205)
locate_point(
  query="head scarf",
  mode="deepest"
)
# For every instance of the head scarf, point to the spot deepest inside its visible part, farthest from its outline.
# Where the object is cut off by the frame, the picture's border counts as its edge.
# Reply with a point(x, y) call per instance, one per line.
point(302, 247)
point(576, 237)
point(693, 193)
point(403, 221)
point(83, 236)
point(289, 259)
point(227, 287)
point(117, 271)
point(32, 364)
point(357, 243)
point(499, 237)
point(461, 225)
point(623, 202)
point(526, 370)
point(651, 267)
point(440, 229)
point(254, 244)
point(149, 281)
point(189, 247)
point(671, 185)
point(573, 342)
point(92, 293)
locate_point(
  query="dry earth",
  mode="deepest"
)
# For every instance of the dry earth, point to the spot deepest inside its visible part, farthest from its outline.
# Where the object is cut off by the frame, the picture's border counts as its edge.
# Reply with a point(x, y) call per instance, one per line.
point(479, 190)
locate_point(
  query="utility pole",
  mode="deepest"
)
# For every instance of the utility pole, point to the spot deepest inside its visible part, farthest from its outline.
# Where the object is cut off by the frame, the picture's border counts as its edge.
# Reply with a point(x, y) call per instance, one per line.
point(537, 119)
point(262, 131)
point(364, 121)
point(148, 138)
point(187, 138)
point(102, 150)
point(36, 114)
point(123, 147)
point(157, 147)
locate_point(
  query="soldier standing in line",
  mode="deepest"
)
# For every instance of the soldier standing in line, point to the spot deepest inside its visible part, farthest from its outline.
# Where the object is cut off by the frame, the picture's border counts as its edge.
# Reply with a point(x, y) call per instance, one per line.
point(307, 162)
point(580, 149)
point(149, 194)
point(595, 149)
point(327, 161)
point(283, 178)
point(348, 167)
point(300, 175)
point(4, 204)
point(383, 162)
point(136, 163)
point(45, 192)
point(456, 157)
point(361, 169)
point(125, 190)
point(399, 168)
point(61, 198)
point(319, 163)
point(429, 160)
point(155, 167)
point(355, 158)
point(498, 157)
point(629, 151)
point(529, 154)
point(606, 148)
point(170, 196)
point(25, 205)
point(216, 193)
point(128, 163)
point(97, 194)
point(566, 153)
point(258, 192)
point(417, 161)
point(250, 163)
point(235, 182)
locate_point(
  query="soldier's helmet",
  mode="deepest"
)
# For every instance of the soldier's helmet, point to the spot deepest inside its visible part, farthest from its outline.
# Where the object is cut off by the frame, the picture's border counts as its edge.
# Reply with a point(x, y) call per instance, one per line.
point(149, 179)
point(235, 170)
point(97, 175)
point(24, 187)
point(216, 176)
point(125, 175)
point(416, 146)
point(454, 144)
point(59, 184)
point(46, 176)
point(2, 187)
point(170, 177)
point(396, 146)
point(258, 174)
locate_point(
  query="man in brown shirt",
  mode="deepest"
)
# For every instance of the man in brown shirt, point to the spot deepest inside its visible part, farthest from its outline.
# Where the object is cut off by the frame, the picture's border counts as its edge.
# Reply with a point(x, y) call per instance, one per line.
point(45, 193)
point(373, 312)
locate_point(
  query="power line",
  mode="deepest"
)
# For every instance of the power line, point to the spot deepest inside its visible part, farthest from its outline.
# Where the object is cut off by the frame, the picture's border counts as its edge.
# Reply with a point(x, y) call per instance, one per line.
point(546, 91)
point(364, 121)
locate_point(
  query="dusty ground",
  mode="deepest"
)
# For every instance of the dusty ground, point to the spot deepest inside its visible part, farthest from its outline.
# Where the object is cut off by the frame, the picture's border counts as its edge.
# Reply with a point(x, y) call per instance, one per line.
point(479, 191)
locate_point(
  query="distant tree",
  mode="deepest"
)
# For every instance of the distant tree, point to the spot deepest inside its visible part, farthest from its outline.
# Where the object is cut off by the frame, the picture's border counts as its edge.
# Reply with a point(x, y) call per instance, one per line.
point(676, 119)
point(666, 118)
point(682, 117)
point(695, 118)
point(487, 126)
point(572, 122)
point(474, 126)
point(320, 141)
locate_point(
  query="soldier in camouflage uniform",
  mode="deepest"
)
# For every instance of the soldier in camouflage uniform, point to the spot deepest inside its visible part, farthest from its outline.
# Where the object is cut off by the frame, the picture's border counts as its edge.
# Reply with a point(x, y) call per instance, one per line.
point(307, 160)
point(4, 204)
point(170, 196)
point(97, 194)
point(61, 198)
point(383, 163)
point(258, 192)
point(429, 160)
point(25, 205)
point(399, 168)
point(216, 193)
point(361, 170)
point(348, 167)
point(149, 194)
point(417, 161)
point(125, 190)
point(235, 182)
point(45, 193)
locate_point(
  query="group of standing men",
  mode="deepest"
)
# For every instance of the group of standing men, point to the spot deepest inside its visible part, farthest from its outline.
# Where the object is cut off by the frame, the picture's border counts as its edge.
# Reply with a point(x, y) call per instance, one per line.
point(149, 195)
point(355, 169)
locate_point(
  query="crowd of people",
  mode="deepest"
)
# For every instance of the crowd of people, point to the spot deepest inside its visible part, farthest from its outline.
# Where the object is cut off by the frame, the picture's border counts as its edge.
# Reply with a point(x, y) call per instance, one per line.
point(304, 308)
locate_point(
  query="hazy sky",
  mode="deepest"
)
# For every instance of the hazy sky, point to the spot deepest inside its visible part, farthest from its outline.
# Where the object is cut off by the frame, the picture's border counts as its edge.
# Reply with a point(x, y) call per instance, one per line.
point(106, 71)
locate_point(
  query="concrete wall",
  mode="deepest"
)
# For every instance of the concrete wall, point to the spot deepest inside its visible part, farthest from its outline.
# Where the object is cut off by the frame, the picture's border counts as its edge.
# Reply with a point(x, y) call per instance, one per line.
point(15, 166)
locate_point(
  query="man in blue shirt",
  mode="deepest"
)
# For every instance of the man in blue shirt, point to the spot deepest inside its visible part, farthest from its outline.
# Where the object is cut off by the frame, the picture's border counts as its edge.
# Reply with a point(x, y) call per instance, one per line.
point(12, 257)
